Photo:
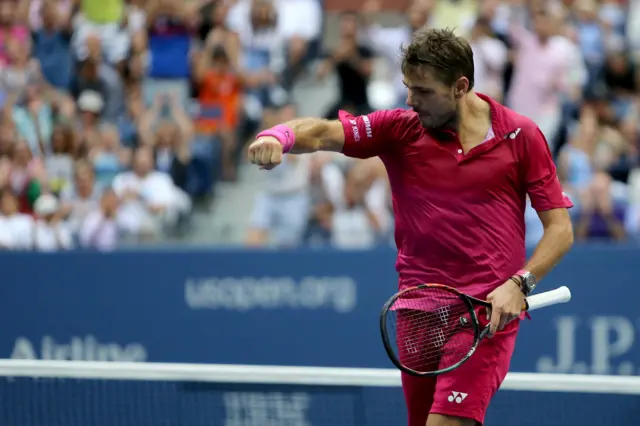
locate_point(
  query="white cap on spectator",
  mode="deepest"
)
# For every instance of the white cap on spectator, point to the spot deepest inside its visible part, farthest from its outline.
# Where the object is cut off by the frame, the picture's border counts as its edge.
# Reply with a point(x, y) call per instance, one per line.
point(90, 101)
point(45, 205)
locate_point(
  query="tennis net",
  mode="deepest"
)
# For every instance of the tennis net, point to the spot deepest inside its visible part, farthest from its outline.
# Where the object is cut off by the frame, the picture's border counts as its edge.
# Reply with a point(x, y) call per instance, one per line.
point(65, 393)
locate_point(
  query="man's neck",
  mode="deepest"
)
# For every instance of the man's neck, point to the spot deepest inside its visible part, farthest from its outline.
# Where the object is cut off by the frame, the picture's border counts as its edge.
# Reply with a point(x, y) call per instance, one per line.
point(474, 116)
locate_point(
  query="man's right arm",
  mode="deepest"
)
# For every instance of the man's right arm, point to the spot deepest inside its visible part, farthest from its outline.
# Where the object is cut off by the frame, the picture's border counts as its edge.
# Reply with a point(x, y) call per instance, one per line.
point(363, 136)
point(315, 134)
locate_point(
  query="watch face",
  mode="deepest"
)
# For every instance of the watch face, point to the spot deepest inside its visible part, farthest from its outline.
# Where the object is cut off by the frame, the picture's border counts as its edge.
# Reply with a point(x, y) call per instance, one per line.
point(530, 281)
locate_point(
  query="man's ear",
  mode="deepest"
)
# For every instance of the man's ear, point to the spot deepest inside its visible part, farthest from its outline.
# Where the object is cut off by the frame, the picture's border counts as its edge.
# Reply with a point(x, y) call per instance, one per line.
point(461, 87)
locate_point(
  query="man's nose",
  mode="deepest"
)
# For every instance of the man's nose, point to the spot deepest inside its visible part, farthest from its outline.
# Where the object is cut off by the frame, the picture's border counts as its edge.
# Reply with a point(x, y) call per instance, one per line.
point(410, 100)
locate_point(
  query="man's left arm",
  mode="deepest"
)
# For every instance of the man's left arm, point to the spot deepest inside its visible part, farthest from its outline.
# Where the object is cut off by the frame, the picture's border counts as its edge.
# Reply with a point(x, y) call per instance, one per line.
point(555, 242)
point(551, 203)
point(544, 190)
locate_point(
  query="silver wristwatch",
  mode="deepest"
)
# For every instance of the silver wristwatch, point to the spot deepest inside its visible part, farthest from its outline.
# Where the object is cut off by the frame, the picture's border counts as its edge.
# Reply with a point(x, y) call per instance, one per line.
point(527, 281)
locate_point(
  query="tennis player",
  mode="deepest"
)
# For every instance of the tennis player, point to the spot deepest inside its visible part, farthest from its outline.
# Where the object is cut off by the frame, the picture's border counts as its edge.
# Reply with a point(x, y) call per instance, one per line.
point(460, 167)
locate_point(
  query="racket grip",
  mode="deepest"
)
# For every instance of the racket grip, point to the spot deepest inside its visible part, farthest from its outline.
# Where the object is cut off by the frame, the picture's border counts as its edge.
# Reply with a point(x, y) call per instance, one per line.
point(548, 298)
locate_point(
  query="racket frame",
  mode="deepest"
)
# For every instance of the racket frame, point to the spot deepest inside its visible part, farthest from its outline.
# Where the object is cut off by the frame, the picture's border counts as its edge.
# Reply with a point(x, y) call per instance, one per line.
point(470, 302)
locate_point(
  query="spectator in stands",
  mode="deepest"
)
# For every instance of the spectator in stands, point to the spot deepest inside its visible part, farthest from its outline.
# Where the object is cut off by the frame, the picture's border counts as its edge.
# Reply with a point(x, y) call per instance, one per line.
point(100, 229)
point(219, 35)
point(81, 197)
point(52, 31)
point(620, 75)
point(90, 106)
point(592, 37)
point(171, 139)
point(33, 117)
point(129, 121)
point(88, 79)
point(263, 47)
point(582, 167)
point(386, 41)
point(612, 14)
point(318, 230)
point(360, 216)
point(8, 136)
point(108, 156)
point(300, 23)
point(98, 75)
point(171, 24)
point(490, 57)
point(11, 28)
point(102, 20)
point(150, 200)
point(48, 232)
point(541, 68)
point(220, 100)
point(21, 69)
point(135, 19)
point(59, 163)
point(17, 226)
point(136, 67)
point(25, 175)
point(353, 63)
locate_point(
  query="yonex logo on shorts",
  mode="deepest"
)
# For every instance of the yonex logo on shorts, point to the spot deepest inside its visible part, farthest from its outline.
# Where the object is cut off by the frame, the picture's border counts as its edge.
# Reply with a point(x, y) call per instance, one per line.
point(457, 397)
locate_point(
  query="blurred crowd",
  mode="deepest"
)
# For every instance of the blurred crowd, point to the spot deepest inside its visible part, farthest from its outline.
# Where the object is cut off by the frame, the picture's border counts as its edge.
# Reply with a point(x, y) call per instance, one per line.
point(119, 117)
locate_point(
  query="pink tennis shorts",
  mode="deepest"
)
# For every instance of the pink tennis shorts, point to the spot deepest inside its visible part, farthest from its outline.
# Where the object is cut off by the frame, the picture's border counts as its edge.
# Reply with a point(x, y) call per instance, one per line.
point(466, 391)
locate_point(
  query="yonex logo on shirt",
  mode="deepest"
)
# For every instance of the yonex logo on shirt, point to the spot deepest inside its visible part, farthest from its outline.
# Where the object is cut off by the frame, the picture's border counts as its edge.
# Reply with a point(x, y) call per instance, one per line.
point(513, 134)
point(354, 127)
point(457, 397)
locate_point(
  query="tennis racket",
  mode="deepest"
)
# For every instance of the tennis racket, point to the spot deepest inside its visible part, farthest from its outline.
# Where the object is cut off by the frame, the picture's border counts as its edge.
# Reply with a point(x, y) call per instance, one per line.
point(433, 328)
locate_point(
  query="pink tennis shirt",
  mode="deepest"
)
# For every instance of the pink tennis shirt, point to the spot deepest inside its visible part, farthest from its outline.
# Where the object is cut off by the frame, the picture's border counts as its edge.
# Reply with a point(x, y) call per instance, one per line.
point(459, 217)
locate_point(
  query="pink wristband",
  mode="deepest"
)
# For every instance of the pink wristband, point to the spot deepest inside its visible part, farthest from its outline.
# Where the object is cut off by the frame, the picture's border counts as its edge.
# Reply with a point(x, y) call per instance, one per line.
point(284, 134)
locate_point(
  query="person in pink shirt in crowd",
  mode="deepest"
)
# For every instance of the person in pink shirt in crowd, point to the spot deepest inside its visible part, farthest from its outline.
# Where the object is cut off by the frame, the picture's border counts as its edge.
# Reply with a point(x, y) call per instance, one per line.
point(10, 28)
point(542, 64)
point(460, 167)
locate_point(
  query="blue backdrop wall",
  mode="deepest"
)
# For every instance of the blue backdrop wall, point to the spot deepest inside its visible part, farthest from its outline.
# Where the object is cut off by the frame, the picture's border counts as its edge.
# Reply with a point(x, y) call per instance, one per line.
point(317, 308)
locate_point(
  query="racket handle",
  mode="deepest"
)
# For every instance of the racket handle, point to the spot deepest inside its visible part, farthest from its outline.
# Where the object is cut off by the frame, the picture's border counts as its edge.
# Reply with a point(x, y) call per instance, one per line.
point(548, 298)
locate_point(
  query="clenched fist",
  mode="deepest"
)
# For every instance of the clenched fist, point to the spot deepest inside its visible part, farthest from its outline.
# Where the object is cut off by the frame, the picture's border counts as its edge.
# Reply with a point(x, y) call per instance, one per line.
point(266, 152)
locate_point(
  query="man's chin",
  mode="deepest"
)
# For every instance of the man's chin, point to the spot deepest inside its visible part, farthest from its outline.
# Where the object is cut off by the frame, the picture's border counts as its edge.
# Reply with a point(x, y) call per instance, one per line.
point(428, 123)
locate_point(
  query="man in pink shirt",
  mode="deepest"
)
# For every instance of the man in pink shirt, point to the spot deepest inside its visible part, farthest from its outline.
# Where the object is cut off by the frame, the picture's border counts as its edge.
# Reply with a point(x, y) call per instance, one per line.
point(460, 167)
point(545, 65)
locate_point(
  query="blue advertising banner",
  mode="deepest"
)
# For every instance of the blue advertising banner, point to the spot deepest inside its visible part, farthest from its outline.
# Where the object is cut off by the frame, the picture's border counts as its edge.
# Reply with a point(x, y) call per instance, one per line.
point(316, 308)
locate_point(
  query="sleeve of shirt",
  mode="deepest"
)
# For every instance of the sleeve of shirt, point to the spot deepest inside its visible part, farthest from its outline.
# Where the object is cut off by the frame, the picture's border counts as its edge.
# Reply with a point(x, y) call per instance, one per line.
point(543, 185)
point(377, 134)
